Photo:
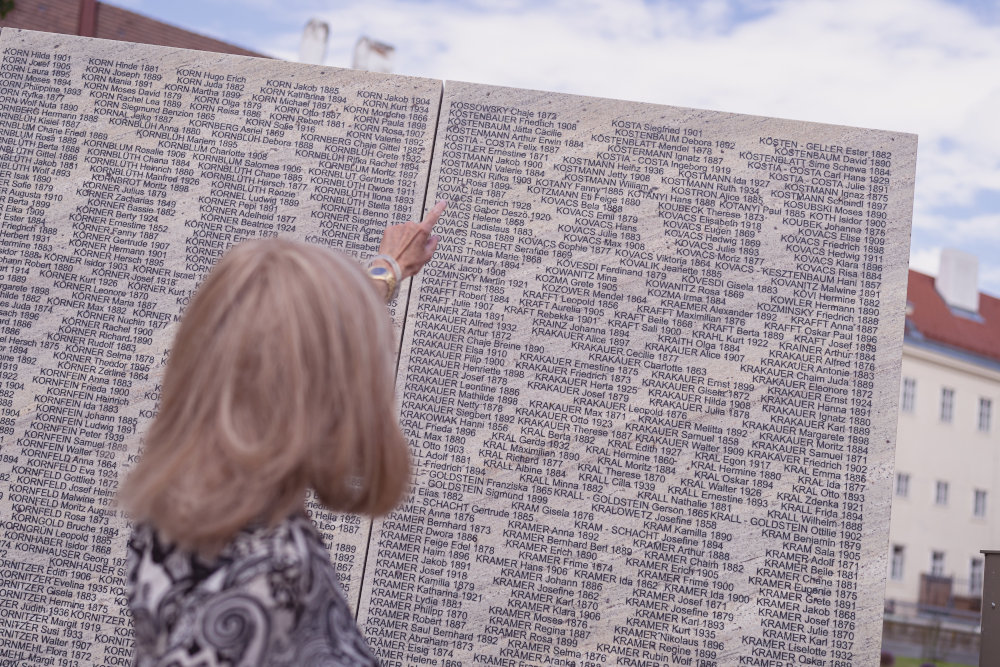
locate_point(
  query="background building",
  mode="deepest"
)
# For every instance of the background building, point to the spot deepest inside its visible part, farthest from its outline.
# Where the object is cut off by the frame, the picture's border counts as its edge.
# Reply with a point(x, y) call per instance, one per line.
point(945, 507)
point(90, 18)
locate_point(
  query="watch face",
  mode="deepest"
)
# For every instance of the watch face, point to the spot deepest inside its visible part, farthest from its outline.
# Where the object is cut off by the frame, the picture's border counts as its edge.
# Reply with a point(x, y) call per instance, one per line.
point(378, 271)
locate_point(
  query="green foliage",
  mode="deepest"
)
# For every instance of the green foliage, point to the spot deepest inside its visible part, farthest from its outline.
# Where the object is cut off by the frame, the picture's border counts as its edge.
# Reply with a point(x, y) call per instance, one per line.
point(5, 6)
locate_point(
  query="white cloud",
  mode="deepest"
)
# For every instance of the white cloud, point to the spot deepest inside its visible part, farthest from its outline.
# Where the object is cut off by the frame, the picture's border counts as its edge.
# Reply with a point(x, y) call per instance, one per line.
point(970, 230)
point(989, 278)
point(927, 260)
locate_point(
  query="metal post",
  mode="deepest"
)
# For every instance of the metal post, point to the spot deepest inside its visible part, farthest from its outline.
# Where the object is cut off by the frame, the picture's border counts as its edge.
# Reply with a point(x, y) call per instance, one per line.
point(989, 634)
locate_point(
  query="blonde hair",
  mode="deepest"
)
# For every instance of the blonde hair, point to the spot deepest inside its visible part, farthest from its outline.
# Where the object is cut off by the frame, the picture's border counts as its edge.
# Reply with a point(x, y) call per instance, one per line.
point(280, 378)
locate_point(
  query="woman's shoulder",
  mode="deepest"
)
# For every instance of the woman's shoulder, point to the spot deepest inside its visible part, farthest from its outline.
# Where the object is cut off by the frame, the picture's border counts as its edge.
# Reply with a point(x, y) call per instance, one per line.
point(277, 578)
point(292, 548)
point(296, 532)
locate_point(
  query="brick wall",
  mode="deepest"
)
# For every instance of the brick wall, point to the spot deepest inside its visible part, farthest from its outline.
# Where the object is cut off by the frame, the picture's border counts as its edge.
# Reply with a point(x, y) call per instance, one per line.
point(63, 16)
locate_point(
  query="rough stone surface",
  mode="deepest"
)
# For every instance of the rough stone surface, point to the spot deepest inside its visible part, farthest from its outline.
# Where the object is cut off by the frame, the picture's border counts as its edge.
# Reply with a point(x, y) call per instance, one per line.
point(125, 172)
point(651, 382)
point(650, 378)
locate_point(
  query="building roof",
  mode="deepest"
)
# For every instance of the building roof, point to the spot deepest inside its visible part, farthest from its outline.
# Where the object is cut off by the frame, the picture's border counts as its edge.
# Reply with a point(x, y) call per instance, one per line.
point(929, 318)
point(110, 22)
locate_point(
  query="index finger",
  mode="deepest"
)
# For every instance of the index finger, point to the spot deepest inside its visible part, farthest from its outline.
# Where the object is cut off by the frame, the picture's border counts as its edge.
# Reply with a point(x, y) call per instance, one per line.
point(433, 215)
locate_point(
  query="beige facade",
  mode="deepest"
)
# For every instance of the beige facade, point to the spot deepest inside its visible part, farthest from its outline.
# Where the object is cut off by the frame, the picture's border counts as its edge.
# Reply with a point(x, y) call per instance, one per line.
point(946, 502)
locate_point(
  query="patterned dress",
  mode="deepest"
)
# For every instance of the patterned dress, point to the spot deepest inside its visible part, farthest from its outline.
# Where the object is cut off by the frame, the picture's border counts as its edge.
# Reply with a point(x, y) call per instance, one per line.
point(270, 598)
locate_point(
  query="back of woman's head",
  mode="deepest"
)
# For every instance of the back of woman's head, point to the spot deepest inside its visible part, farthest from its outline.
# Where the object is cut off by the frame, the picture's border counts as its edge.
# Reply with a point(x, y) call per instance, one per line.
point(280, 378)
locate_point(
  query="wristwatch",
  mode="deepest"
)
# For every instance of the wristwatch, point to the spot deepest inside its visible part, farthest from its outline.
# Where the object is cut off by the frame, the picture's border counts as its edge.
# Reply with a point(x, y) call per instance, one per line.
point(383, 274)
point(391, 278)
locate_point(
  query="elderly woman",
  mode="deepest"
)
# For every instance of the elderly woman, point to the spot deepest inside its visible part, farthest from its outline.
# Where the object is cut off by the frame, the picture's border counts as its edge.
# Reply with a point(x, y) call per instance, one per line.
point(280, 379)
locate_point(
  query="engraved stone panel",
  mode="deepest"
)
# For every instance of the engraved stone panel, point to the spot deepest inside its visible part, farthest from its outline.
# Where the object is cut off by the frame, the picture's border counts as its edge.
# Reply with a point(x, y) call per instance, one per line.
point(651, 383)
point(650, 377)
point(125, 172)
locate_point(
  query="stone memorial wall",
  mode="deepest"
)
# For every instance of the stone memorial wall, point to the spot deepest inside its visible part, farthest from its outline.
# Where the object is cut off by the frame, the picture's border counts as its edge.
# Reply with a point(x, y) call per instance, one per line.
point(651, 383)
point(650, 378)
point(125, 172)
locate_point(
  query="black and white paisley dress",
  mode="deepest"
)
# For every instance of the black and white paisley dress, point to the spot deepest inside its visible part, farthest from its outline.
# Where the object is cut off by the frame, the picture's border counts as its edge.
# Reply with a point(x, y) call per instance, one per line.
point(272, 597)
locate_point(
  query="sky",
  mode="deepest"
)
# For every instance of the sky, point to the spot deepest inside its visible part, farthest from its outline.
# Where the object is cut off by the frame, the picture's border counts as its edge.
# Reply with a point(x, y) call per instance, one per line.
point(930, 67)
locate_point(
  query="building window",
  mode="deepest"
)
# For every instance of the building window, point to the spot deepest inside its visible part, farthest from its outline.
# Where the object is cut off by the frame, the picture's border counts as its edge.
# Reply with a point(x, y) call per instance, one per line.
point(979, 504)
point(897, 562)
point(985, 413)
point(947, 404)
point(902, 484)
point(909, 395)
point(976, 576)
point(941, 493)
point(937, 563)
